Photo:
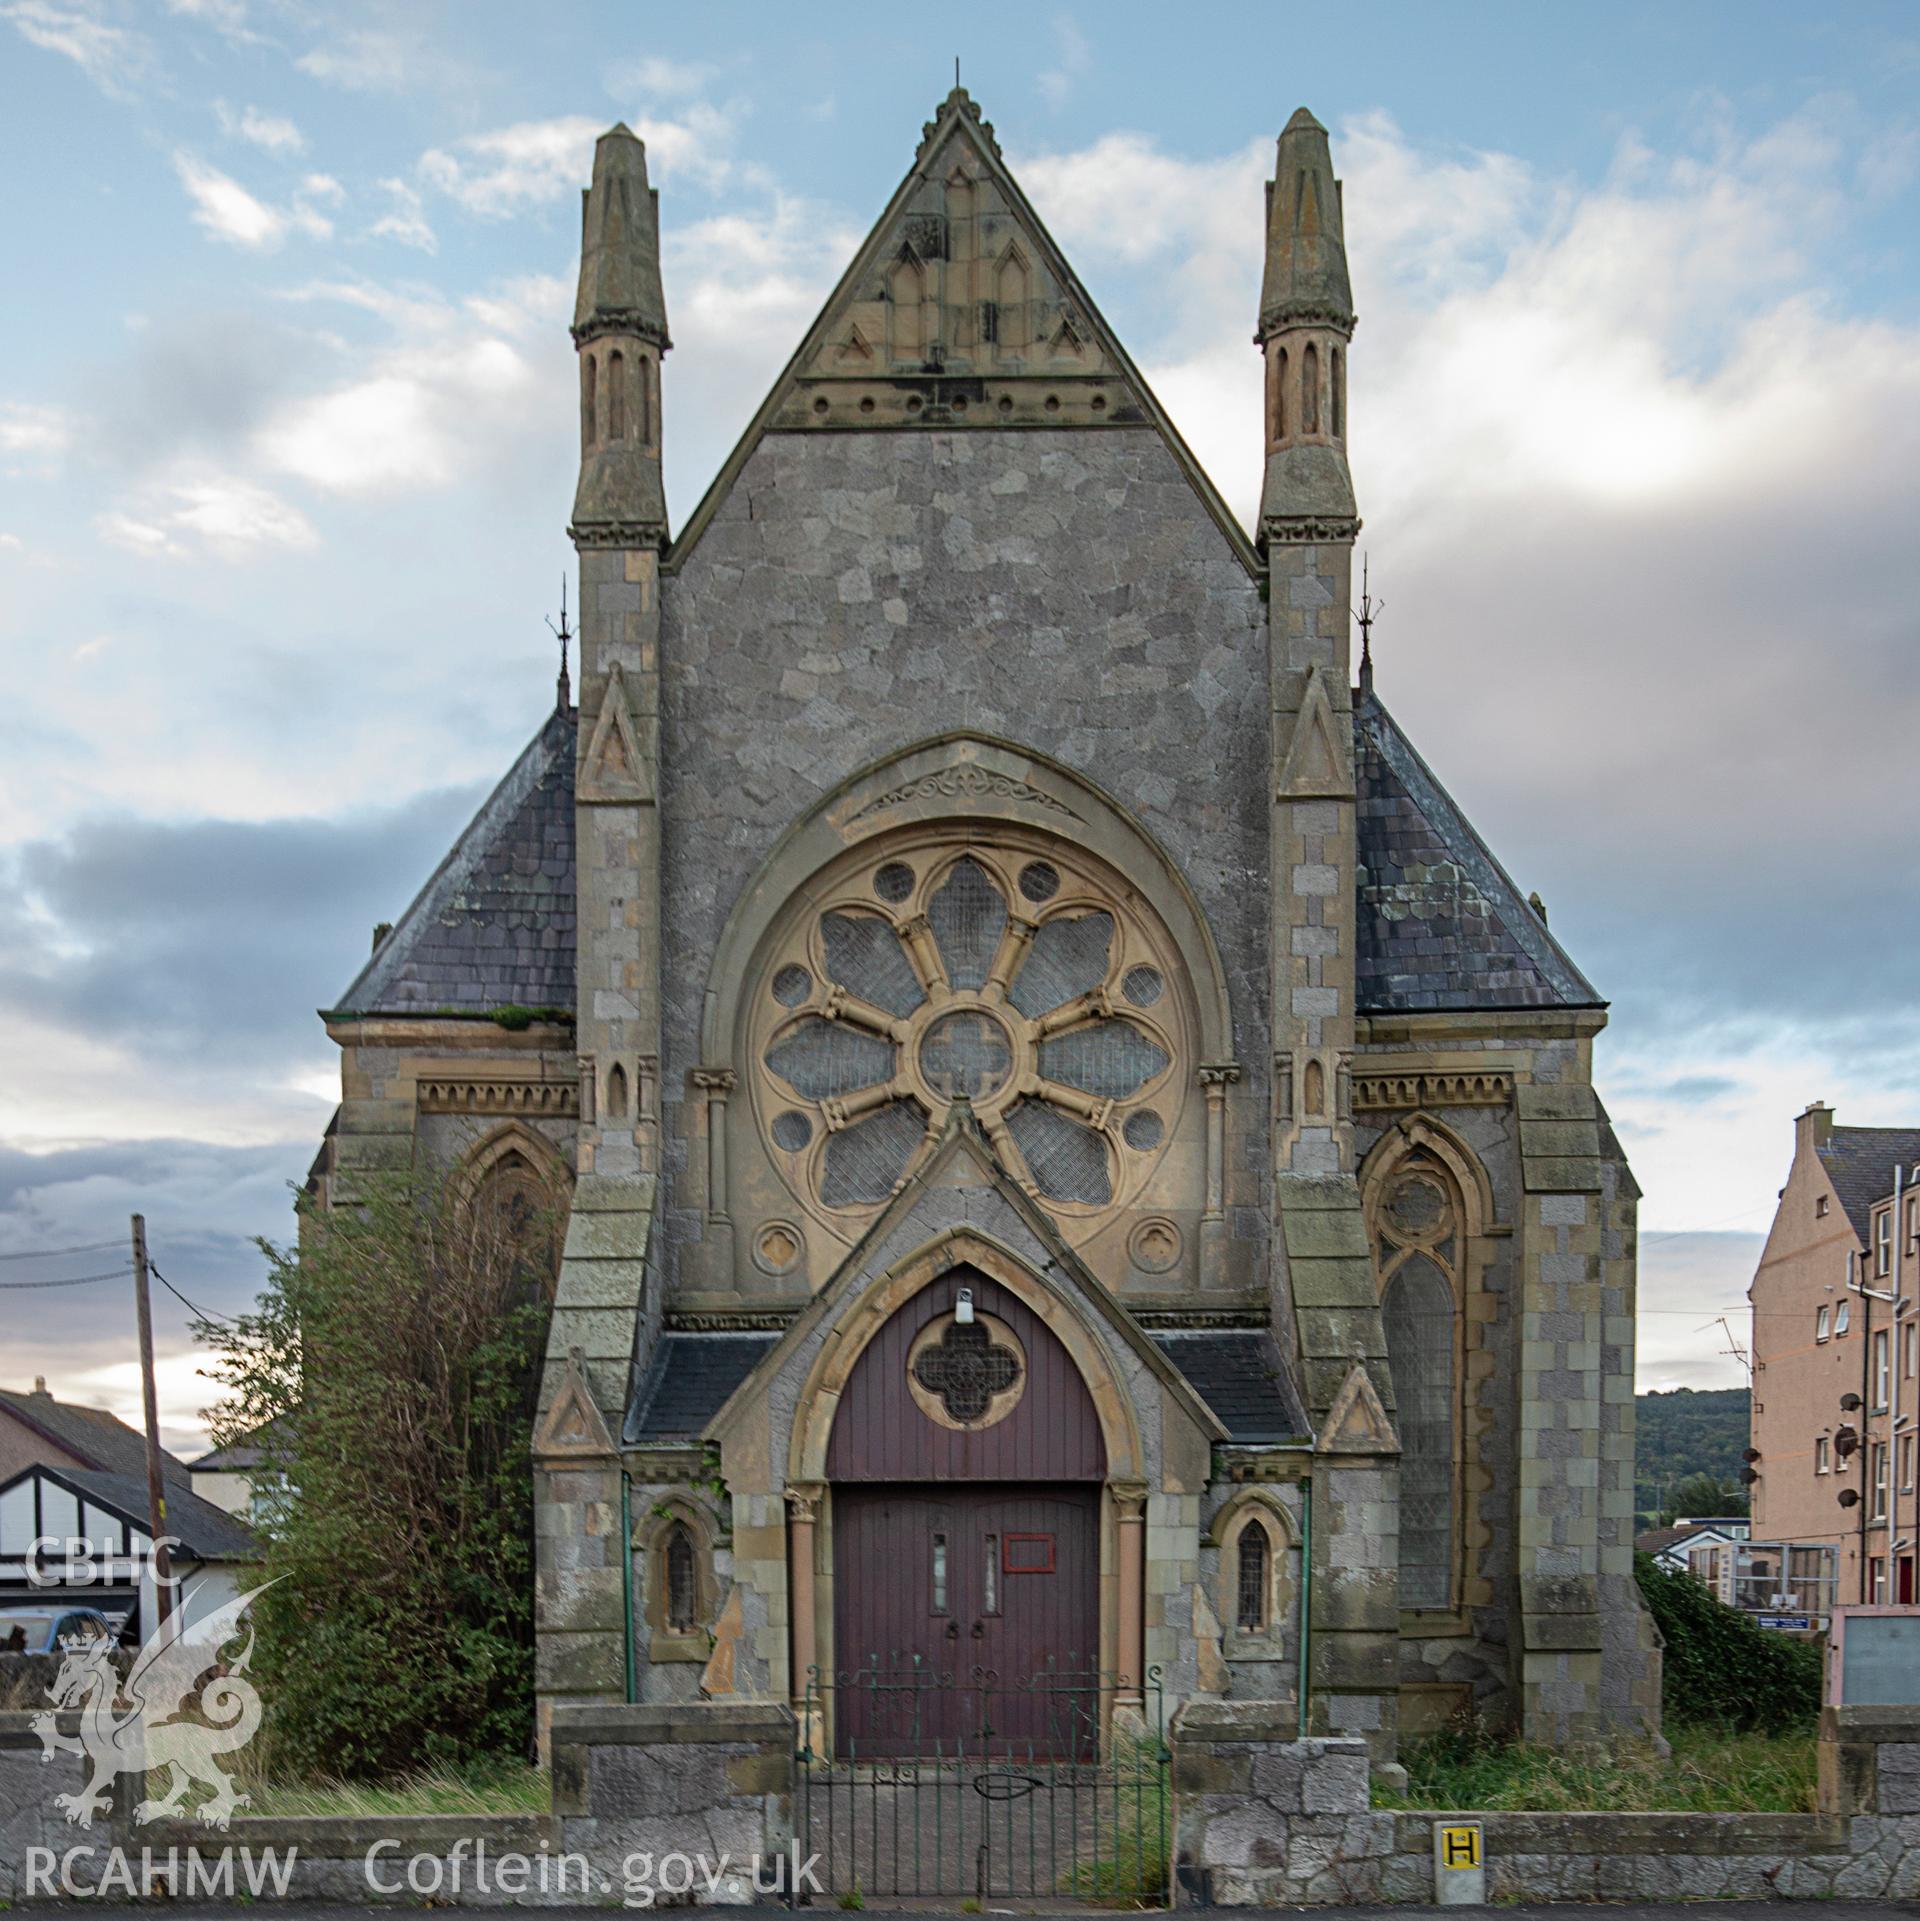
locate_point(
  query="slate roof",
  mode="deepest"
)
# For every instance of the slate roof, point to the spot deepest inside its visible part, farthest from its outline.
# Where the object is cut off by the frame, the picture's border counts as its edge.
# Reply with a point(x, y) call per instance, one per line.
point(1440, 924)
point(205, 1532)
point(688, 1384)
point(1860, 1163)
point(1241, 1378)
point(494, 927)
point(101, 1440)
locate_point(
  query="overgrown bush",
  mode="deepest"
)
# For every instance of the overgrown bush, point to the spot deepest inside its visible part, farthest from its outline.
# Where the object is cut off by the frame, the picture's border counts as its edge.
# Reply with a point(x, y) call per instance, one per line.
point(1722, 1668)
point(389, 1371)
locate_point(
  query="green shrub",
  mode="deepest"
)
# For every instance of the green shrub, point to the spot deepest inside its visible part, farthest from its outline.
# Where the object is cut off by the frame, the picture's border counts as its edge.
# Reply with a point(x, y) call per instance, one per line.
point(389, 1371)
point(1722, 1668)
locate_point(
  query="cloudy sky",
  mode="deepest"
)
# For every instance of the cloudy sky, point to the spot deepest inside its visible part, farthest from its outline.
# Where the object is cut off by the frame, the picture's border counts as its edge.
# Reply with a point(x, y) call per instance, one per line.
point(286, 444)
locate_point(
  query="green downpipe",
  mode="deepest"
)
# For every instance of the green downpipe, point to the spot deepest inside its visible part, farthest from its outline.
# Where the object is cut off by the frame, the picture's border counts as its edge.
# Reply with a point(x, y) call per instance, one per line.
point(626, 1576)
point(1306, 1594)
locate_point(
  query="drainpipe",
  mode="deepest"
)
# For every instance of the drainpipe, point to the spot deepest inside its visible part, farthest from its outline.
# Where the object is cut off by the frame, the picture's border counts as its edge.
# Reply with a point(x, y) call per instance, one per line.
point(626, 1574)
point(1306, 1593)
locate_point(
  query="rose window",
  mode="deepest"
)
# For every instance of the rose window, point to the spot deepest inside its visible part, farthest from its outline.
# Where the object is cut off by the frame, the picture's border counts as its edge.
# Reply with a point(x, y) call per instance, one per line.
point(1035, 990)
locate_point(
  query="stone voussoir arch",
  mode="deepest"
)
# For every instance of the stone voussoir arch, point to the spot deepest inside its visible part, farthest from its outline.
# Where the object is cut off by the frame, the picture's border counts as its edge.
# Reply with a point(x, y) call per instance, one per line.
point(960, 776)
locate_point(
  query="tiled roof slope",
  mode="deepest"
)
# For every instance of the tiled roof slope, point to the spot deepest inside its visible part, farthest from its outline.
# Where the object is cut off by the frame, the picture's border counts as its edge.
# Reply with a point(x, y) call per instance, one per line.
point(1241, 1378)
point(1860, 1163)
point(1440, 924)
point(688, 1384)
point(494, 927)
point(90, 1434)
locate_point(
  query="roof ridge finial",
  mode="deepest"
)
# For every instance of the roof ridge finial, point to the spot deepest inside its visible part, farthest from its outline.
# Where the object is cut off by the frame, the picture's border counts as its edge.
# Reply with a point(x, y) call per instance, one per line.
point(1367, 613)
point(563, 686)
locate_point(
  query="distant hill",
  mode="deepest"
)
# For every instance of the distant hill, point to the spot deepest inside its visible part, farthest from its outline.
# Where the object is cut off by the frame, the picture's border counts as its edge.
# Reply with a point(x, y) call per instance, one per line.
point(1689, 1431)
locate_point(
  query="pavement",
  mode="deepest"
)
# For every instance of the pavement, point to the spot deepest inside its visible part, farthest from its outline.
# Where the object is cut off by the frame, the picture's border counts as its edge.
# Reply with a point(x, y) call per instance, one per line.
point(1530, 1911)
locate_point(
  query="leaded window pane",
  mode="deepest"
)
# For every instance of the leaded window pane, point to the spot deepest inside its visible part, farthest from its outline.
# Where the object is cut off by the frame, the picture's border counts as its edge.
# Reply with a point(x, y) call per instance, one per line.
point(865, 956)
point(1251, 1549)
point(863, 1162)
point(1418, 1311)
point(967, 917)
point(820, 1059)
point(1068, 1161)
point(681, 1587)
point(1112, 1059)
point(1067, 958)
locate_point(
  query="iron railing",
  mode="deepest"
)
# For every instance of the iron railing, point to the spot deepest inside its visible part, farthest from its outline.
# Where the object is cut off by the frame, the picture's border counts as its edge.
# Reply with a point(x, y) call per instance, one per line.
point(912, 1780)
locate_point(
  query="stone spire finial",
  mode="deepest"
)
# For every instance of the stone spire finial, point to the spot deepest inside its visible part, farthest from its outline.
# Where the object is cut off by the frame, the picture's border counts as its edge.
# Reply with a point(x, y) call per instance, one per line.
point(1306, 322)
point(620, 245)
point(620, 330)
point(1306, 277)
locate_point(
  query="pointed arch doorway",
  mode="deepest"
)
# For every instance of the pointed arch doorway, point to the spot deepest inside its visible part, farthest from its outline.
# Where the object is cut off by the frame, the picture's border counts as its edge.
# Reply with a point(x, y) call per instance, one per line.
point(966, 1463)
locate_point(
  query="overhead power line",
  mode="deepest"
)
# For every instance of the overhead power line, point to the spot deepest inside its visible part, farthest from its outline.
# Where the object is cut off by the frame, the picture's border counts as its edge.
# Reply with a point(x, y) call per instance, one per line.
point(72, 1280)
point(53, 1253)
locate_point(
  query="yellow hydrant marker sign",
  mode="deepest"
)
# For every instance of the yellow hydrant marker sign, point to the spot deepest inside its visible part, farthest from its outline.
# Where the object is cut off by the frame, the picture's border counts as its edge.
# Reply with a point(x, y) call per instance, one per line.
point(1459, 1864)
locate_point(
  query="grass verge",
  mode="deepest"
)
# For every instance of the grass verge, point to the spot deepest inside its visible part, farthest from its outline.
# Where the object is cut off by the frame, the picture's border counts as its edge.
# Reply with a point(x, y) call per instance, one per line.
point(503, 1789)
point(1709, 1772)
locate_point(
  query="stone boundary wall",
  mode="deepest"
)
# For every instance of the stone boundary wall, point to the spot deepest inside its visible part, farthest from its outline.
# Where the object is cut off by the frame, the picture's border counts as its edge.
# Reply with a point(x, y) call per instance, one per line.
point(1267, 1821)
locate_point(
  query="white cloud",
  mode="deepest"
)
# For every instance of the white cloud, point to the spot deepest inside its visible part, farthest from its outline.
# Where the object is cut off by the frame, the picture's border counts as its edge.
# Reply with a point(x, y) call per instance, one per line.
point(405, 219)
point(502, 172)
point(228, 18)
point(219, 514)
point(429, 409)
point(229, 212)
point(12, 544)
point(115, 59)
point(385, 60)
point(1073, 55)
point(274, 132)
point(657, 74)
point(33, 429)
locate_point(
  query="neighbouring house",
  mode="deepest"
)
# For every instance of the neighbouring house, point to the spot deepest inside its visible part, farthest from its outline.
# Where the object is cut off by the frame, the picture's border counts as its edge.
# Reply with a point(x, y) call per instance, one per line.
point(74, 1524)
point(1074, 1150)
point(1836, 1350)
point(1674, 1547)
point(238, 1478)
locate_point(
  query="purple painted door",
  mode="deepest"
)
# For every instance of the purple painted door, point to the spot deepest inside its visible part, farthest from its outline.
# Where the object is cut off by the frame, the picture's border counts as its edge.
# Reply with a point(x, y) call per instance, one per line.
point(958, 1611)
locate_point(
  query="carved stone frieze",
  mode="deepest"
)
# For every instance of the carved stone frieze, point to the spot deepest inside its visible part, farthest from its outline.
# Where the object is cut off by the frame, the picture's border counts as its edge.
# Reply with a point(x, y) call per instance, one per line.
point(551, 1100)
point(1373, 1093)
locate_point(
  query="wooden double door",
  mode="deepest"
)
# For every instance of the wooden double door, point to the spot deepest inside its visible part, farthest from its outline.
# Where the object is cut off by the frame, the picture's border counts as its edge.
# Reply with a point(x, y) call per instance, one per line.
point(966, 1614)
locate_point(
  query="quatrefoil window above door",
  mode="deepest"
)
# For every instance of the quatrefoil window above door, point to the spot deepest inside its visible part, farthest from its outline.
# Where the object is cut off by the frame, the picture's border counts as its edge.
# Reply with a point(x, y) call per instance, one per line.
point(966, 1374)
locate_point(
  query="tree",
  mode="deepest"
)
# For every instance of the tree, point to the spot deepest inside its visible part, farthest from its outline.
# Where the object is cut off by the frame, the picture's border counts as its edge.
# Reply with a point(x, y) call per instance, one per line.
point(390, 1370)
point(1701, 1496)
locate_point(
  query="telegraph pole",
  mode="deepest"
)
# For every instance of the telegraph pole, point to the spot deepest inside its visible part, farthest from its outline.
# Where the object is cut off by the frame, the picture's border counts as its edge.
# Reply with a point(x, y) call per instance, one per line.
point(156, 1486)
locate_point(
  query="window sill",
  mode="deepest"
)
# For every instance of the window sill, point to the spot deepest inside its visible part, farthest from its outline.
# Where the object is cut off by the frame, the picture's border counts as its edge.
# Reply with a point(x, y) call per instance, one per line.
point(679, 1647)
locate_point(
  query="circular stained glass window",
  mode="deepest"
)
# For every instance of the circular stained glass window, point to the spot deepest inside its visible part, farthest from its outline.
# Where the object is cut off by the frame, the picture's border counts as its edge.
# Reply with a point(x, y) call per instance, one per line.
point(1036, 990)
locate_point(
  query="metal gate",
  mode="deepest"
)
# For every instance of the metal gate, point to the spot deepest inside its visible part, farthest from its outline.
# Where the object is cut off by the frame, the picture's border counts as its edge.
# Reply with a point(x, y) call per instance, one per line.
point(1075, 1806)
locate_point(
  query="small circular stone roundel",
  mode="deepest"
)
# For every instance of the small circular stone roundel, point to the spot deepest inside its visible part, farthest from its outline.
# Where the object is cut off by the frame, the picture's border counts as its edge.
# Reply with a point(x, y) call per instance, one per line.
point(777, 1248)
point(966, 1055)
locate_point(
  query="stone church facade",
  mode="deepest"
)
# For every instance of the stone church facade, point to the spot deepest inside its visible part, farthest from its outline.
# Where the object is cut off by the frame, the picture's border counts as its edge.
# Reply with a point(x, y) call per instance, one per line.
point(1071, 1148)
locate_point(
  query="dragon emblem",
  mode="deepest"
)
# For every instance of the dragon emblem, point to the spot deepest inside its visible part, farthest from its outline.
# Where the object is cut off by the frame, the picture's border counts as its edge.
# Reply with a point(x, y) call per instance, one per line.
point(180, 1705)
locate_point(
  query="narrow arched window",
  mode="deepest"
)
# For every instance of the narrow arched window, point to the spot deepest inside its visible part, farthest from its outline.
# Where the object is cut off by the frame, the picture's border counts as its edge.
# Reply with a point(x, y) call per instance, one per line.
point(616, 395)
point(643, 401)
point(589, 400)
point(1418, 1310)
point(1277, 396)
point(1339, 394)
point(1310, 390)
point(1253, 1554)
point(616, 1092)
point(681, 1588)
